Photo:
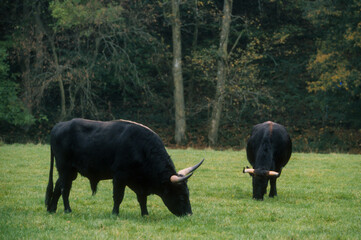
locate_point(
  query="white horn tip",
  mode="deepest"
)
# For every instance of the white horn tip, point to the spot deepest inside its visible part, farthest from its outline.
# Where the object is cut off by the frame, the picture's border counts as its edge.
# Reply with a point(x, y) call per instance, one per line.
point(273, 173)
point(248, 170)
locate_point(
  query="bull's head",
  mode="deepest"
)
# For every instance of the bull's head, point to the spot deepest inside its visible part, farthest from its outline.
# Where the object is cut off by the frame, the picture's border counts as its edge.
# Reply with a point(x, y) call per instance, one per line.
point(260, 180)
point(176, 196)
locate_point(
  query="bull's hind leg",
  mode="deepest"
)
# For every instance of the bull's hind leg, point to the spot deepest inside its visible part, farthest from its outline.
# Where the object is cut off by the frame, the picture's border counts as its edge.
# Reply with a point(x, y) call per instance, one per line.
point(55, 198)
point(67, 180)
point(65, 191)
point(273, 191)
point(142, 199)
point(118, 194)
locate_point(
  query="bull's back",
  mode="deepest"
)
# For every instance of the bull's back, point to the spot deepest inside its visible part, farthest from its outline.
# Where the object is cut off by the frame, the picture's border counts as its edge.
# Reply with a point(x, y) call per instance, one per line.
point(273, 136)
point(83, 136)
point(282, 145)
point(94, 147)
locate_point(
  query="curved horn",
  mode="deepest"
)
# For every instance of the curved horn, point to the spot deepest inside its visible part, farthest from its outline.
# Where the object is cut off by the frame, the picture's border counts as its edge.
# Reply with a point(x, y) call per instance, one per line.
point(273, 173)
point(178, 179)
point(248, 170)
point(260, 172)
point(186, 171)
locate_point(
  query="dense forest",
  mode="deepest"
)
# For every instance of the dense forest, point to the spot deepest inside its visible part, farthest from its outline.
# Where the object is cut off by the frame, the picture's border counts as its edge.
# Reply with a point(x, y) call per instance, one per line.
point(199, 72)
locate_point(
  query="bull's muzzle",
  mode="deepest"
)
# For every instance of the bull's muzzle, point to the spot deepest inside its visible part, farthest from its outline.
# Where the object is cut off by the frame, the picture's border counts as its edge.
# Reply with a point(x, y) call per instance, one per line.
point(260, 172)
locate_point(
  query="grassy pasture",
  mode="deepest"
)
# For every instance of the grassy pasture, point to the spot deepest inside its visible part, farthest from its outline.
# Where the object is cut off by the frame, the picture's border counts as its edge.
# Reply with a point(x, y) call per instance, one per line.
point(319, 198)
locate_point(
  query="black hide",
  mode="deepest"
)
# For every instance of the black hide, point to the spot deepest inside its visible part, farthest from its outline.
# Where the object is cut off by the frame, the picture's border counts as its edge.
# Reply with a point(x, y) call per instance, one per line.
point(128, 153)
point(268, 149)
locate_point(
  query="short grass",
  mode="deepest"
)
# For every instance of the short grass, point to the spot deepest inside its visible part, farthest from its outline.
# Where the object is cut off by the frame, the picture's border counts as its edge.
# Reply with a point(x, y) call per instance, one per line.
point(319, 198)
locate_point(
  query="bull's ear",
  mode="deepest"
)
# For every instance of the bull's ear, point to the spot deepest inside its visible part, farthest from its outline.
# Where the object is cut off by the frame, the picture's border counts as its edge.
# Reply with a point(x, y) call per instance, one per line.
point(179, 178)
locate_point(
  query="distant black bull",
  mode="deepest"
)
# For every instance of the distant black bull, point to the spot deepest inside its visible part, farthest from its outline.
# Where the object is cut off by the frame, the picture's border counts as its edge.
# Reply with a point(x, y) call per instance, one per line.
point(268, 150)
point(128, 153)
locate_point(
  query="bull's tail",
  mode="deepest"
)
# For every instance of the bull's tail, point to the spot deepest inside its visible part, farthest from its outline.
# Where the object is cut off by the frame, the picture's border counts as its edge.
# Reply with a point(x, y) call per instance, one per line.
point(49, 189)
point(93, 185)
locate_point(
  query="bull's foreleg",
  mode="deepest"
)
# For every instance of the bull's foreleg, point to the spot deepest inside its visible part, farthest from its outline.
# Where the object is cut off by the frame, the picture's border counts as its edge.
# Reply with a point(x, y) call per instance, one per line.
point(142, 199)
point(118, 194)
point(55, 198)
point(273, 191)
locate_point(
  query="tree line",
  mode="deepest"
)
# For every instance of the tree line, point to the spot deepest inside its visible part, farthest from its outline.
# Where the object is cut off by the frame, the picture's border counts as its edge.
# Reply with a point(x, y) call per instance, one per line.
point(199, 72)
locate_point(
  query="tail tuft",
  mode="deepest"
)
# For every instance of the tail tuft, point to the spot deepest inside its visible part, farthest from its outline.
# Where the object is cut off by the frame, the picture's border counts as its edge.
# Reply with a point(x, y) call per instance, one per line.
point(93, 185)
point(49, 189)
point(49, 194)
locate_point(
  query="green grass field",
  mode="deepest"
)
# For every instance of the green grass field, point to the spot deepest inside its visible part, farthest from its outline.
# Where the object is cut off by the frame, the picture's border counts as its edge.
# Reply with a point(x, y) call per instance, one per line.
point(319, 197)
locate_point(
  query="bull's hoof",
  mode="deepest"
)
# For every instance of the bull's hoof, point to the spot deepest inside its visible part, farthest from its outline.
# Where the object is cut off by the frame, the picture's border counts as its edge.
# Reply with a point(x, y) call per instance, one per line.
point(145, 214)
point(67, 210)
point(50, 210)
point(115, 213)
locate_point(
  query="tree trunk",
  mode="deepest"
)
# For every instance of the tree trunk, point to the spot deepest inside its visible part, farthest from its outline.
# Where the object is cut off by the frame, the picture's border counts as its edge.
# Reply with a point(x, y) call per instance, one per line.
point(59, 79)
point(196, 25)
point(42, 30)
point(25, 69)
point(221, 73)
point(180, 121)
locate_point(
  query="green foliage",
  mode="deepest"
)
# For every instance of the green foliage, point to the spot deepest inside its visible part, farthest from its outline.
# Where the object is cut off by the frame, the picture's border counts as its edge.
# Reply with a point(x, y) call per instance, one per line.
point(294, 62)
point(334, 66)
point(108, 53)
point(336, 63)
point(312, 202)
point(73, 13)
point(12, 110)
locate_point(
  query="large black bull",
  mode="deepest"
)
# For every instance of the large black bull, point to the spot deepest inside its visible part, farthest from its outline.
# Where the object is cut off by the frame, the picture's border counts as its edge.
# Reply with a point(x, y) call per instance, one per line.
point(127, 152)
point(268, 150)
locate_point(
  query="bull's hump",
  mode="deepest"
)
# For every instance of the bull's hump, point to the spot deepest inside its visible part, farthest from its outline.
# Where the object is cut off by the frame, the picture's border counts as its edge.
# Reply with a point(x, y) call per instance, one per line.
point(270, 125)
point(92, 123)
point(135, 123)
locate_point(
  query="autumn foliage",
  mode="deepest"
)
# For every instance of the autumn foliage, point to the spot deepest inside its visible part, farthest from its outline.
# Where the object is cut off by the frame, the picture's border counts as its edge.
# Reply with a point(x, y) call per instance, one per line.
point(293, 62)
